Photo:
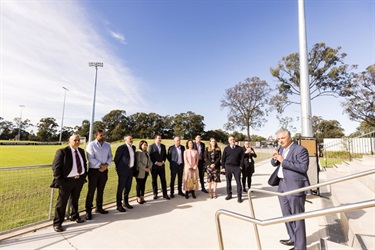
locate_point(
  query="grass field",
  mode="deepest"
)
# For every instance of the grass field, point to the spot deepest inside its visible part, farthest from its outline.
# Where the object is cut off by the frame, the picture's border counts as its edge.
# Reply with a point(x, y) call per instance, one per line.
point(25, 194)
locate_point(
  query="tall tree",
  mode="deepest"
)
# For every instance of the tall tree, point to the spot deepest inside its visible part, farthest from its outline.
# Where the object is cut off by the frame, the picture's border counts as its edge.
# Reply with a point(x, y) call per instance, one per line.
point(286, 123)
point(47, 129)
point(188, 124)
point(114, 123)
point(83, 130)
point(246, 103)
point(360, 103)
point(7, 129)
point(328, 75)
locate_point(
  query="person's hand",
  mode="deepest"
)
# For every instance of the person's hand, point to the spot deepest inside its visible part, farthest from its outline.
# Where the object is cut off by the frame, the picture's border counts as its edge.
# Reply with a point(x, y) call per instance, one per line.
point(212, 165)
point(147, 169)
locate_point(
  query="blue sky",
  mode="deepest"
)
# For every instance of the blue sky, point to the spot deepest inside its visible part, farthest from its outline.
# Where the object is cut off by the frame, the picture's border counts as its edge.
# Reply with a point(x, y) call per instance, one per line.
point(165, 57)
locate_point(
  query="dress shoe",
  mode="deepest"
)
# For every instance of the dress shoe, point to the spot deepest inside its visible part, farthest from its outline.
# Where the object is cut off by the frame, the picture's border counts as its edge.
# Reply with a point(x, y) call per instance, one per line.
point(181, 193)
point(187, 194)
point(287, 242)
point(121, 209)
point(155, 197)
point(58, 228)
point(204, 190)
point(166, 197)
point(292, 248)
point(172, 196)
point(88, 216)
point(229, 196)
point(78, 220)
point(101, 211)
point(244, 190)
point(193, 195)
point(239, 200)
point(128, 206)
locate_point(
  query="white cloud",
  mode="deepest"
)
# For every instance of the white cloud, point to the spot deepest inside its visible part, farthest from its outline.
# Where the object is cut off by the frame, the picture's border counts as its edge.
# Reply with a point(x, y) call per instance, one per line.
point(118, 36)
point(46, 45)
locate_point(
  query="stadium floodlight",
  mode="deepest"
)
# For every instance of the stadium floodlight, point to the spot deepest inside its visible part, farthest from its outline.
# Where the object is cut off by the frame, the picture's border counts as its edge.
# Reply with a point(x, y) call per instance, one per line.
point(62, 117)
point(19, 124)
point(96, 65)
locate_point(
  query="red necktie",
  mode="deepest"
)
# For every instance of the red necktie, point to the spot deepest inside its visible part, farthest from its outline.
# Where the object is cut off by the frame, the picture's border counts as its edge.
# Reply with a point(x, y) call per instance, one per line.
point(79, 166)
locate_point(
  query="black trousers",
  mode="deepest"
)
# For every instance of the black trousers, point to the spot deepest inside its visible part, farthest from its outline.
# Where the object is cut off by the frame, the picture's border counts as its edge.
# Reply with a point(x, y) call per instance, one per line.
point(176, 170)
point(155, 172)
point(236, 172)
point(246, 174)
point(97, 181)
point(201, 171)
point(69, 188)
point(124, 185)
point(141, 186)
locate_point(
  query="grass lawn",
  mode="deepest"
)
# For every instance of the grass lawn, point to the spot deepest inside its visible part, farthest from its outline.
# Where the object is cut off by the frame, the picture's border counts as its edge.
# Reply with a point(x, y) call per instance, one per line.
point(25, 194)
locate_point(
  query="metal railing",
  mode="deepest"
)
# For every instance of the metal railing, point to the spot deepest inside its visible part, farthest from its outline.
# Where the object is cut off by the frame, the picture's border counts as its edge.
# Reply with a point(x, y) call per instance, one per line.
point(316, 213)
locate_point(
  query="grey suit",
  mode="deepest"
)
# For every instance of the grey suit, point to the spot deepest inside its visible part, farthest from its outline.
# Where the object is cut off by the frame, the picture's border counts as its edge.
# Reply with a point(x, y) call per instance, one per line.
point(295, 167)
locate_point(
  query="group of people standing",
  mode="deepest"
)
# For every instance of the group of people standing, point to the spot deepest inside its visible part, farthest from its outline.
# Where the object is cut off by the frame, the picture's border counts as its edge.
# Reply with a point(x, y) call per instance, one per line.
point(189, 163)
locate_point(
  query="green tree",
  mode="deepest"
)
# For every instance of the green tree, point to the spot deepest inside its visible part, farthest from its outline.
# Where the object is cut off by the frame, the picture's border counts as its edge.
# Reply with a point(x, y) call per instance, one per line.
point(47, 129)
point(114, 124)
point(286, 123)
point(83, 130)
point(7, 129)
point(328, 75)
point(187, 125)
point(328, 129)
point(238, 136)
point(257, 138)
point(360, 103)
point(218, 134)
point(246, 103)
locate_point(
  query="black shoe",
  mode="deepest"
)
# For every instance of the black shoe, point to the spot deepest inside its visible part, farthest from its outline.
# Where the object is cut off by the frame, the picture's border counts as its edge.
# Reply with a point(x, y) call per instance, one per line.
point(166, 197)
point(101, 211)
point(193, 194)
point(172, 195)
point(58, 228)
point(204, 190)
point(287, 242)
point(292, 248)
point(78, 220)
point(244, 190)
point(187, 194)
point(88, 216)
point(181, 193)
point(239, 200)
point(128, 206)
point(121, 209)
point(229, 196)
point(155, 197)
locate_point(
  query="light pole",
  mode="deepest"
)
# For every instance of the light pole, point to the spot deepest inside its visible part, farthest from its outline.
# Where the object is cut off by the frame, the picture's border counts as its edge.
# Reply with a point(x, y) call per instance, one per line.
point(96, 65)
point(62, 117)
point(19, 124)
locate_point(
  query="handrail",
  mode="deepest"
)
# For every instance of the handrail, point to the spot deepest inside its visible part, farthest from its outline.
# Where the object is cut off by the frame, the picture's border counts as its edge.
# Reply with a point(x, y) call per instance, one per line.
point(252, 213)
point(294, 217)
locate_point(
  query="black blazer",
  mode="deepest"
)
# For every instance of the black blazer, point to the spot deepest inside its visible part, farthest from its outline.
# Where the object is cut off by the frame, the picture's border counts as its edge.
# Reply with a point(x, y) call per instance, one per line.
point(154, 153)
point(173, 154)
point(215, 159)
point(248, 160)
point(202, 154)
point(63, 164)
point(122, 160)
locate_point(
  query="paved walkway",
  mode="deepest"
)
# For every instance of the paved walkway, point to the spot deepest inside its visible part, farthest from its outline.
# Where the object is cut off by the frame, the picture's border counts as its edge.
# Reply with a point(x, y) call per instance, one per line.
point(176, 224)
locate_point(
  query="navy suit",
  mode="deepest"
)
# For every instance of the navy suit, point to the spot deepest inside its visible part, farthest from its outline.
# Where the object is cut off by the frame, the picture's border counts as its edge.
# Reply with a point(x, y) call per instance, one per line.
point(201, 162)
point(124, 173)
point(156, 170)
point(68, 187)
point(176, 169)
point(295, 167)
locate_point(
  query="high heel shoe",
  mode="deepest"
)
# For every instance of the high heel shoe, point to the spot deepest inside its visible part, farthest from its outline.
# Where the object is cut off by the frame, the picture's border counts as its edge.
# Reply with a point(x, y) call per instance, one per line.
point(210, 194)
point(214, 195)
point(139, 201)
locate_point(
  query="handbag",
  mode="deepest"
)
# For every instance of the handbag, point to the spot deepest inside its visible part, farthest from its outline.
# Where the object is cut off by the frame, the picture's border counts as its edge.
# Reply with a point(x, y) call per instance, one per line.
point(274, 179)
point(190, 183)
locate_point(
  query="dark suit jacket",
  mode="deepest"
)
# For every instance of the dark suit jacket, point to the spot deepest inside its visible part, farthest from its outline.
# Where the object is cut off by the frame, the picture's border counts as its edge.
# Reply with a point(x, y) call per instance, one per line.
point(202, 154)
point(154, 153)
point(63, 164)
point(295, 167)
point(173, 154)
point(246, 163)
point(122, 160)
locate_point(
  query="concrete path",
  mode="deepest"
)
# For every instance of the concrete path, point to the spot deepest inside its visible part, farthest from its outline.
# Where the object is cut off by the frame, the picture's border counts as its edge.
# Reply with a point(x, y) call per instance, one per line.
point(176, 224)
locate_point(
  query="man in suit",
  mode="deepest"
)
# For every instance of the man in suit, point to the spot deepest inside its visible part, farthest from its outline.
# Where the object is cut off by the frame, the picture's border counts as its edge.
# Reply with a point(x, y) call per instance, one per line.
point(200, 147)
point(293, 163)
point(176, 163)
point(69, 175)
point(232, 161)
point(158, 155)
point(248, 167)
point(125, 167)
point(99, 155)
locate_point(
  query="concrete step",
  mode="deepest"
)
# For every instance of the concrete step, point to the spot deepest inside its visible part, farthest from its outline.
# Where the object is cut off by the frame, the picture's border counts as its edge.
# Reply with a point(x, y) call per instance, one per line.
point(328, 245)
point(358, 225)
point(368, 160)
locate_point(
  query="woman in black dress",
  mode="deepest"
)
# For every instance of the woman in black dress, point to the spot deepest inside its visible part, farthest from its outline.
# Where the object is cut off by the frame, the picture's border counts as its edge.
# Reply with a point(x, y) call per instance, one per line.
point(213, 157)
